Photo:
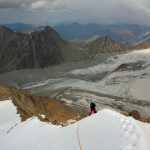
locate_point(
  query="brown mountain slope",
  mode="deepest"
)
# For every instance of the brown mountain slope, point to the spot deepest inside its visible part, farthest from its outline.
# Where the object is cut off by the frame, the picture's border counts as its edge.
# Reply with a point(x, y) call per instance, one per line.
point(29, 105)
point(102, 45)
point(111, 46)
point(143, 45)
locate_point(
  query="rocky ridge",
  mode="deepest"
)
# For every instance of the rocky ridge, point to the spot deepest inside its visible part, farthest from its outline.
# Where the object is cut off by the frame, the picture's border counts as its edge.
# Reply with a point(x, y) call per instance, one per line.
point(136, 115)
point(142, 45)
point(29, 105)
point(102, 45)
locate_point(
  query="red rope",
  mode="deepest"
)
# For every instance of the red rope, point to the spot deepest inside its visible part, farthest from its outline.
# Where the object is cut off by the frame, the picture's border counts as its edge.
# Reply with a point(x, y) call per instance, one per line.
point(78, 136)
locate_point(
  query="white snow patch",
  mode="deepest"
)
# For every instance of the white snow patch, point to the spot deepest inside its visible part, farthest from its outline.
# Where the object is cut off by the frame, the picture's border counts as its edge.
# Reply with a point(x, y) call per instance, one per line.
point(37, 84)
point(43, 116)
point(147, 33)
point(70, 121)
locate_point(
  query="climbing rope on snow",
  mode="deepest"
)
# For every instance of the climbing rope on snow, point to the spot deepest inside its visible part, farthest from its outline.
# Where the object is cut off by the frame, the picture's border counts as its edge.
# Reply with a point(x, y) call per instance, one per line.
point(79, 137)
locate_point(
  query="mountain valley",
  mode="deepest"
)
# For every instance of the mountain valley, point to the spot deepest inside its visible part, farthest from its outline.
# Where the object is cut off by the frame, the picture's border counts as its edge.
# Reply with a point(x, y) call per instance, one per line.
point(29, 49)
point(47, 84)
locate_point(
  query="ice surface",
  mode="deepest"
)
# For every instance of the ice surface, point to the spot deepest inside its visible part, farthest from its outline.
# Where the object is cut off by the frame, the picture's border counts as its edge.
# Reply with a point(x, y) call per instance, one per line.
point(141, 89)
point(115, 61)
point(132, 84)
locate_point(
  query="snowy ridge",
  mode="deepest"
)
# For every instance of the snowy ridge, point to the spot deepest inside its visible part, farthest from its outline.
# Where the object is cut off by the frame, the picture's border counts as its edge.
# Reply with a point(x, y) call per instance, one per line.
point(106, 130)
point(115, 131)
point(130, 130)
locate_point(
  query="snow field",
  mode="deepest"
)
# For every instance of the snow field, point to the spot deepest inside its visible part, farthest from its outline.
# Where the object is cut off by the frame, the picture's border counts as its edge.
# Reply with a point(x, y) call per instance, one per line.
point(105, 130)
point(115, 61)
point(128, 84)
point(112, 131)
point(132, 130)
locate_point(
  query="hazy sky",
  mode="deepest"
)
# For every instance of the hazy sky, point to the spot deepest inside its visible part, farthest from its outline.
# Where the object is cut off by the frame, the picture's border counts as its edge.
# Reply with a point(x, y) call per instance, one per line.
point(83, 11)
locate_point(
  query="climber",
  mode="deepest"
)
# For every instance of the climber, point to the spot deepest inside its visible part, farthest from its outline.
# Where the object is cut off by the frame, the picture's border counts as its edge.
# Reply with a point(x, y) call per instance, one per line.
point(92, 106)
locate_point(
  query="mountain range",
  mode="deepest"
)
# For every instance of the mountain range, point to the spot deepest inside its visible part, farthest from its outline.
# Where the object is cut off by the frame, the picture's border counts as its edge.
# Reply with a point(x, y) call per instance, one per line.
point(18, 26)
point(30, 49)
point(127, 34)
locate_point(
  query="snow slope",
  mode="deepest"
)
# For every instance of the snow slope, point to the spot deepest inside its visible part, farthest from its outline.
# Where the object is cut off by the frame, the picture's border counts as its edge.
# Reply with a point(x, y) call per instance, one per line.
point(106, 130)
point(8, 116)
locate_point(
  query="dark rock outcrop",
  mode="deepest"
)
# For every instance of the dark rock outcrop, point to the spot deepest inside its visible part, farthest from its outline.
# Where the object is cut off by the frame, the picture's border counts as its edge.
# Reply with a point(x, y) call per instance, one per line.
point(136, 115)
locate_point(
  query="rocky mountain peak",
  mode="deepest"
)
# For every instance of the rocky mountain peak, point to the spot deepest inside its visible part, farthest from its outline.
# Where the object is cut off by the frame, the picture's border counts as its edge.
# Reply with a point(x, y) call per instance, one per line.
point(101, 45)
point(36, 50)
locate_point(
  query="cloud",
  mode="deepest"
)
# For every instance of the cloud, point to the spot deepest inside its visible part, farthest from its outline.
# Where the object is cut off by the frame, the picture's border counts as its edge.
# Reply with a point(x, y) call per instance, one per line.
point(113, 11)
point(100, 11)
point(38, 4)
point(33, 5)
point(15, 4)
point(9, 4)
point(59, 6)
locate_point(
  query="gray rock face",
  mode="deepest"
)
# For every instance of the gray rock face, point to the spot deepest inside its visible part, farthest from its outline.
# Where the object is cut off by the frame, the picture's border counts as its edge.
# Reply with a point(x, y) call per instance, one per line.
point(35, 50)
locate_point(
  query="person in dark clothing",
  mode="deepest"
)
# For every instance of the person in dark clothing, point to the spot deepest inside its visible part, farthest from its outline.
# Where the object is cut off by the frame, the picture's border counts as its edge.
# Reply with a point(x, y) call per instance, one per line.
point(92, 106)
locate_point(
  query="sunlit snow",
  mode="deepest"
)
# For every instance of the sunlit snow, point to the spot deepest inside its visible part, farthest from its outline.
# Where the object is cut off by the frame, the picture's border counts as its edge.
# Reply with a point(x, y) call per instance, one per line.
point(8, 116)
point(106, 130)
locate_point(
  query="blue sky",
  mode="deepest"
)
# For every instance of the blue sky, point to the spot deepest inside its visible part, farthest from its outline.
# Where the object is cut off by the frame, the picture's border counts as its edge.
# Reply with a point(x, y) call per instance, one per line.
point(82, 11)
